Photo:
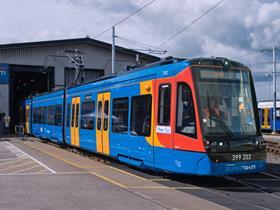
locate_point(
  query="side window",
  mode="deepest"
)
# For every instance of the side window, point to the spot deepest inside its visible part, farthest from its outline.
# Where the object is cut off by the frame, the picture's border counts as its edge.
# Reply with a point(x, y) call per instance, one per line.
point(58, 115)
point(278, 113)
point(164, 104)
point(99, 115)
point(39, 115)
point(44, 121)
point(42, 115)
point(141, 115)
point(120, 115)
point(77, 115)
point(106, 115)
point(68, 115)
point(87, 116)
point(34, 115)
point(185, 123)
point(51, 115)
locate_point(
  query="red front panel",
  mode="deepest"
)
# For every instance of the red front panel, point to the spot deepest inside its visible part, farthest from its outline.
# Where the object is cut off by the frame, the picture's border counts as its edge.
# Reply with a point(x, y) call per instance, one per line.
point(173, 139)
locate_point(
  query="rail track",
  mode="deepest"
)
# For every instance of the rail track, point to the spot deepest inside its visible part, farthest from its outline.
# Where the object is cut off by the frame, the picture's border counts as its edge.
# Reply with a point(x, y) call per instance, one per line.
point(273, 147)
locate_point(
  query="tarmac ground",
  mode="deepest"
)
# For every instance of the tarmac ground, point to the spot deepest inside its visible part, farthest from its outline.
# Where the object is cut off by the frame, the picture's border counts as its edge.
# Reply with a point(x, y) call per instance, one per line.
point(37, 175)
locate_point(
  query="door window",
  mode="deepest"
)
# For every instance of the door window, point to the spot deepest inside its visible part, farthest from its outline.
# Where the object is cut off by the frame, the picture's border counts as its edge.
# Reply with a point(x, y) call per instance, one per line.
point(77, 115)
point(106, 115)
point(99, 115)
point(73, 115)
point(185, 123)
point(164, 104)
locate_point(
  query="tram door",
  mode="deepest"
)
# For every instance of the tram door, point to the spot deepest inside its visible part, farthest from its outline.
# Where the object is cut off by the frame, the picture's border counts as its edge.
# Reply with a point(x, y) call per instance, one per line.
point(103, 123)
point(27, 110)
point(75, 115)
point(266, 118)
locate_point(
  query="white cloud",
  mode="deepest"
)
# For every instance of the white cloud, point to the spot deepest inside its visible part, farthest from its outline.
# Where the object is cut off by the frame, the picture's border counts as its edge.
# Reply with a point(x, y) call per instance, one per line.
point(212, 47)
point(234, 29)
point(264, 25)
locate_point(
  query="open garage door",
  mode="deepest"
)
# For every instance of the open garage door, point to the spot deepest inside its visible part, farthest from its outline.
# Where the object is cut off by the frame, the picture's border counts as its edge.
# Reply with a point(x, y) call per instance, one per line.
point(26, 81)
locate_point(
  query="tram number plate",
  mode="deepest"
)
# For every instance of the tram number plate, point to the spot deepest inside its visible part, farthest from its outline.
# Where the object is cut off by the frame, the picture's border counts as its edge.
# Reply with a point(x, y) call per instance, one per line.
point(241, 157)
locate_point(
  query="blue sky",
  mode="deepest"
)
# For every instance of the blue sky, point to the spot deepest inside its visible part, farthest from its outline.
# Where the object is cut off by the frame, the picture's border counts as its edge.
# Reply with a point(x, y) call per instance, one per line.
point(236, 29)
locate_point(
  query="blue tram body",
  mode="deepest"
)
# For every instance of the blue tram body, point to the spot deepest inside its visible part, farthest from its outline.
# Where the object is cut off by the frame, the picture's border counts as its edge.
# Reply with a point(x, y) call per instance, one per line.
point(153, 118)
point(47, 116)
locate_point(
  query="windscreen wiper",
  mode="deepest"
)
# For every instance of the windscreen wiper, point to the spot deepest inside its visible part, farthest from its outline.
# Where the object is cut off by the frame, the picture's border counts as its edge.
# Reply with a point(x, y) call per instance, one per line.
point(221, 123)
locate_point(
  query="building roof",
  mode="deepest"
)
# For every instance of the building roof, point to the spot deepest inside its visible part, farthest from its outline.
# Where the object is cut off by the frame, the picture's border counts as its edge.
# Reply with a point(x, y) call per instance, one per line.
point(86, 40)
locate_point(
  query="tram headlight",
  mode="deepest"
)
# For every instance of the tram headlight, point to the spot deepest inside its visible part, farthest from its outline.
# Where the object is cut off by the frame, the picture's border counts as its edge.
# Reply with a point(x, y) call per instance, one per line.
point(259, 142)
point(216, 145)
point(222, 146)
point(213, 147)
point(207, 144)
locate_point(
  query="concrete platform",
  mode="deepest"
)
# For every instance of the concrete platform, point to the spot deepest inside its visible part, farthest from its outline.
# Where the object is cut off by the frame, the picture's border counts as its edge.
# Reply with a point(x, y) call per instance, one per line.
point(36, 175)
point(271, 138)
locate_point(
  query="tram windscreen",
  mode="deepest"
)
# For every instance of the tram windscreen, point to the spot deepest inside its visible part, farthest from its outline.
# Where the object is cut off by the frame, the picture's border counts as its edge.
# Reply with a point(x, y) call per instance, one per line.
point(225, 101)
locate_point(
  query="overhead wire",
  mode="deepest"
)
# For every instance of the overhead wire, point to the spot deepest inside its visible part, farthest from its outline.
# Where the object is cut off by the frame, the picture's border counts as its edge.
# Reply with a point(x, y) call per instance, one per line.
point(124, 19)
point(145, 47)
point(191, 23)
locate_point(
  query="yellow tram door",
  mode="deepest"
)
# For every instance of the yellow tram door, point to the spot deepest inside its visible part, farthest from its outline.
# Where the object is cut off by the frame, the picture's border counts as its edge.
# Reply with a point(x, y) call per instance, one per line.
point(75, 116)
point(27, 109)
point(266, 118)
point(103, 123)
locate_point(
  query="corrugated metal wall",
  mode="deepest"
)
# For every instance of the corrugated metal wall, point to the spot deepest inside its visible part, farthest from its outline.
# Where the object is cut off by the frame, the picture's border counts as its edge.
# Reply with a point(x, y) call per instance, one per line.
point(95, 57)
point(4, 99)
point(86, 74)
point(97, 60)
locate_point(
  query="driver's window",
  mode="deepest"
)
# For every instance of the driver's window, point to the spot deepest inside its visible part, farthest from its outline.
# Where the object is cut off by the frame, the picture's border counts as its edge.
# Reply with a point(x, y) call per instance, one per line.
point(185, 123)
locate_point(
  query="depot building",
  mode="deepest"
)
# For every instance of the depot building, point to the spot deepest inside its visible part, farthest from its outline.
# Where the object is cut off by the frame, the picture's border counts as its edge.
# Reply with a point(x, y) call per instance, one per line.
point(32, 68)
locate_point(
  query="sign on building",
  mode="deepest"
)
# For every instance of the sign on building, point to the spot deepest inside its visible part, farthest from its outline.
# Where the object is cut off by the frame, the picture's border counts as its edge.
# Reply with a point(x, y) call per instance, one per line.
point(4, 73)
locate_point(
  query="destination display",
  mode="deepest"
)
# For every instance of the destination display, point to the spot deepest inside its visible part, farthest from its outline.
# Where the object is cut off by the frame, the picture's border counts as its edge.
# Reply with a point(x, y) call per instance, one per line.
point(220, 74)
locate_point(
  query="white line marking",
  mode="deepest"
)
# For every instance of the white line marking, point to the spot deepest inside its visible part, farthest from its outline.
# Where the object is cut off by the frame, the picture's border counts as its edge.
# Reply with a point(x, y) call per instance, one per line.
point(6, 159)
point(37, 161)
point(24, 174)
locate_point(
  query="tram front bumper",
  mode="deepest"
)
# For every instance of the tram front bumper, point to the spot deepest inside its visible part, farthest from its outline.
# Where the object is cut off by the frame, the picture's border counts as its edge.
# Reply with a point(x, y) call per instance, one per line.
point(209, 168)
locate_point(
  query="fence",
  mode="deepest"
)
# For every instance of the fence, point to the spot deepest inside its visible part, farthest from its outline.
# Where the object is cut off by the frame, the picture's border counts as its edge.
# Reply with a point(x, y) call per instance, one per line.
point(19, 129)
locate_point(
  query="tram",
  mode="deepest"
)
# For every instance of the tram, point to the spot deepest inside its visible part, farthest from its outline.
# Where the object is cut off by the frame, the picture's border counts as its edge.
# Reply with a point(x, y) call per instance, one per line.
point(189, 116)
point(266, 116)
